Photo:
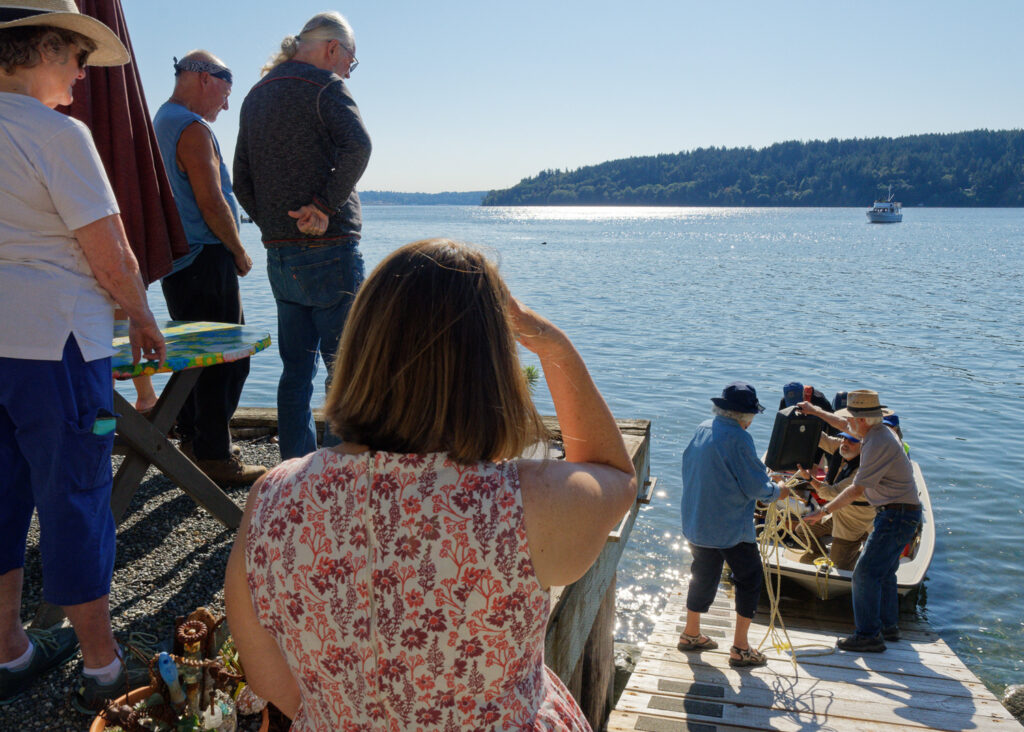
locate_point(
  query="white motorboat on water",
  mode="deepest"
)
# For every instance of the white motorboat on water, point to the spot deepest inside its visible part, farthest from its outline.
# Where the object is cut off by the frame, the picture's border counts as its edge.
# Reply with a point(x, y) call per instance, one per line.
point(826, 581)
point(886, 212)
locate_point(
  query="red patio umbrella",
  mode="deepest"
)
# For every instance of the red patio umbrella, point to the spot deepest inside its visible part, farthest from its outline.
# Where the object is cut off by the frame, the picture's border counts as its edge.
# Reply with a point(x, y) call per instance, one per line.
point(111, 102)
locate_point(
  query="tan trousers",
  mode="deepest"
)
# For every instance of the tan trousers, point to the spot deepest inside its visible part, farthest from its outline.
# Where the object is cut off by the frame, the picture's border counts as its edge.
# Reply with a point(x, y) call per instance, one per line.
point(843, 552)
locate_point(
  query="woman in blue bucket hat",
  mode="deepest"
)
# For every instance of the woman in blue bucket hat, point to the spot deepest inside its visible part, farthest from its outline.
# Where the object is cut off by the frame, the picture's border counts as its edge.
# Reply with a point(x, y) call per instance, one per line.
point(722, 480)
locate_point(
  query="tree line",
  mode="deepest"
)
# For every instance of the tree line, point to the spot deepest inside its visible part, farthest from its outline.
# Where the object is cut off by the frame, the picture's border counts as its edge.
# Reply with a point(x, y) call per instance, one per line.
point(976, 168)
point(448, 198)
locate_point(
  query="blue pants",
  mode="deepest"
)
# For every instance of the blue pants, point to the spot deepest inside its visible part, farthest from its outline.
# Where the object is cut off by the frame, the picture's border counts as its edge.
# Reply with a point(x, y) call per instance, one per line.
point(875, 600)
point(314, 287)
point(51, 460)
point(706, 572)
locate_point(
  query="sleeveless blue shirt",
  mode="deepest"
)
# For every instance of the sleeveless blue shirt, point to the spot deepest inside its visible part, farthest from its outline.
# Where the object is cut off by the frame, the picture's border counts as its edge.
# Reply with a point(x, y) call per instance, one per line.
point(170, 121)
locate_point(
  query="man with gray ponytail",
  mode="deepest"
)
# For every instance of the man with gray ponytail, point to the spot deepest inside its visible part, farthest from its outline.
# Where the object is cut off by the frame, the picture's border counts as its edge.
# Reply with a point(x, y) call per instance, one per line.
point(302, 147)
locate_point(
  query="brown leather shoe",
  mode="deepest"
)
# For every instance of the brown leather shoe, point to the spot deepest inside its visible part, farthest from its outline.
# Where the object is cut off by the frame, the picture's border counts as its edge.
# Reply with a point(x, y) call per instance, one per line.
point(230, 471)
point(187, 450)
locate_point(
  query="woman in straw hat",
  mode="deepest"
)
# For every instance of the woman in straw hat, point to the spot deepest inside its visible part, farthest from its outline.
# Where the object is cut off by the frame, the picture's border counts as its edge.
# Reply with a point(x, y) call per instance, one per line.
point(64, 261)
point(400, 580)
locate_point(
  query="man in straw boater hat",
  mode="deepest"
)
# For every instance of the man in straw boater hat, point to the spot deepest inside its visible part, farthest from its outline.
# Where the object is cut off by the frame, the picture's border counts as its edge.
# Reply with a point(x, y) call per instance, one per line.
point(886, 480)
point(64, 263)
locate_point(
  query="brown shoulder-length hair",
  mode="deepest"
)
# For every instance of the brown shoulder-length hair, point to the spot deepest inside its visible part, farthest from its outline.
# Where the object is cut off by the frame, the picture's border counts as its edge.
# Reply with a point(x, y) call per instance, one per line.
point(428, 362)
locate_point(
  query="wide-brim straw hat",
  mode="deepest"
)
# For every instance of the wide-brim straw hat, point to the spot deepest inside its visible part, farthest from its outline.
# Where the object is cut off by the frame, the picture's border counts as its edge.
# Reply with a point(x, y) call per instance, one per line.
point(862, 403)
point(64, 14)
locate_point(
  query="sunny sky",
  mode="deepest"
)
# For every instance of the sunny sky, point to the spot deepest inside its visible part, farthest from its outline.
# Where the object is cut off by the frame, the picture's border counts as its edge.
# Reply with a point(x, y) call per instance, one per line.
point(460, 95)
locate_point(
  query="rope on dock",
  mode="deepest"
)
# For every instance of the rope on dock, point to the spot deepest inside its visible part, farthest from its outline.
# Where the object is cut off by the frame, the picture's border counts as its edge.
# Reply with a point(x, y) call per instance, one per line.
point(778, 523)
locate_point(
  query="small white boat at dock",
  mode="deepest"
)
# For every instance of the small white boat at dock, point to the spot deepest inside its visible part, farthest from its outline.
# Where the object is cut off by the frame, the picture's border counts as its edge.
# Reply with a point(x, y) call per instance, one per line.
point(826, 581)
point(886, 212)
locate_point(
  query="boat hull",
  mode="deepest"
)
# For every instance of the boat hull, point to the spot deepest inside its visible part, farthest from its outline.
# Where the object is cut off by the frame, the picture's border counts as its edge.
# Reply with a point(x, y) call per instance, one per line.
point(884, 218)
point(838, 582)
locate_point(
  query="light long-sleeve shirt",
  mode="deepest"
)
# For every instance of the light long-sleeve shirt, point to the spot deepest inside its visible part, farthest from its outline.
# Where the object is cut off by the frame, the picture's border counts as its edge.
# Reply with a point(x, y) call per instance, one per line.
point(722, 480)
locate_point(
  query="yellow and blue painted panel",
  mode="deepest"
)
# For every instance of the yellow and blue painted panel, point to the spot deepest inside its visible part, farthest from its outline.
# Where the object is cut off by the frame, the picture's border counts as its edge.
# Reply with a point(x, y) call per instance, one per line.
point(189, 345)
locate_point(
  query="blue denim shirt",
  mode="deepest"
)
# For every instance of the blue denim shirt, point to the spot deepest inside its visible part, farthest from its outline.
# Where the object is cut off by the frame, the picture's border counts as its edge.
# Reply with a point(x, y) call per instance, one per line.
point(722, 479)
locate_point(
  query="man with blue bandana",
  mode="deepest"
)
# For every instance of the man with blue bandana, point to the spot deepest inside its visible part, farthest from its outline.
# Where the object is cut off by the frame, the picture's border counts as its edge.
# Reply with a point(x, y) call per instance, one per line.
point(204, 283)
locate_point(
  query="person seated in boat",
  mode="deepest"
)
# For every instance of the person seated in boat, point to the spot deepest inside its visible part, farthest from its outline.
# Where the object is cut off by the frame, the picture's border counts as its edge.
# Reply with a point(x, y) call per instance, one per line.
point(794, 391)
point(885, 479)
point(401, 579)
point(849, 527)
point(892, 421)
point(723, 479)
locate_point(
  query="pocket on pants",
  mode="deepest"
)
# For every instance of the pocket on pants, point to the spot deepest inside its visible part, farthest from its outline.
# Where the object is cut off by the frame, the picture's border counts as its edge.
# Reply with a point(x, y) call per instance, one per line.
point(326, 283)
point(85, 455)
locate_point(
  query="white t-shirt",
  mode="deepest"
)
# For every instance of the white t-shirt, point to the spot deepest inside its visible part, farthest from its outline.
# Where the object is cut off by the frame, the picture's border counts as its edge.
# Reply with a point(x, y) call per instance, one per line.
point(52, 182)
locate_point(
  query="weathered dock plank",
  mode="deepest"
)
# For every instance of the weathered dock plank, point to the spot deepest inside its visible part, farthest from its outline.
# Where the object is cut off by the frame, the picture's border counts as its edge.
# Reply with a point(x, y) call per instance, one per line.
point(723, 683)
point(918, 683)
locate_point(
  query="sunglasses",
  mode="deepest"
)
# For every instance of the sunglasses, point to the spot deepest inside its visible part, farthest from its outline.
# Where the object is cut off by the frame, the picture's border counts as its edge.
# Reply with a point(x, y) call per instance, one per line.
point(82, 57)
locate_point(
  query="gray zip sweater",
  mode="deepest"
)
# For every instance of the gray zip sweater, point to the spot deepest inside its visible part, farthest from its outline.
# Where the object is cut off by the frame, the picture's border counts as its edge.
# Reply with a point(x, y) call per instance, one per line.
point(300, 140)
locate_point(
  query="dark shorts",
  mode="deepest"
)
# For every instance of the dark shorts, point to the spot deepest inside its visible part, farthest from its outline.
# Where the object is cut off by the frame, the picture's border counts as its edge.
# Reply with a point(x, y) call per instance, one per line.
point(706, 572)
point(51, 461)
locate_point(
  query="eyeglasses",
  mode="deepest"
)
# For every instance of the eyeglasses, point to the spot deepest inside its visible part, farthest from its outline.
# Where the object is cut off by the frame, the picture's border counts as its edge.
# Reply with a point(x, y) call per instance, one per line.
point(355, 62)
point(82, 58)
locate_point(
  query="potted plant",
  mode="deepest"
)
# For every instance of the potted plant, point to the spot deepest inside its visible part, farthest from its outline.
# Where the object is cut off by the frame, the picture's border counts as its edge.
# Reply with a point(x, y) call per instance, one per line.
point(200, 686)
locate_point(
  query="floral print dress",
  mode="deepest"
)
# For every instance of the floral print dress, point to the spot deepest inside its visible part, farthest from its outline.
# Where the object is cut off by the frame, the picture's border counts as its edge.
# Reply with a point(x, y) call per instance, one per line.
point(400, 590)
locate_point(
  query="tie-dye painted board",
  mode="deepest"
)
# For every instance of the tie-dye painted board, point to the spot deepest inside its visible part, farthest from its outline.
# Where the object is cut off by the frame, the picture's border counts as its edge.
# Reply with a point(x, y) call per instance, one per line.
point(189, 345)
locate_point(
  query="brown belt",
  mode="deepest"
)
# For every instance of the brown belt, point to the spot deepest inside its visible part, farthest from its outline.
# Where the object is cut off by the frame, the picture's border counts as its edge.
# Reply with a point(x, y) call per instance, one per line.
point(899, 507)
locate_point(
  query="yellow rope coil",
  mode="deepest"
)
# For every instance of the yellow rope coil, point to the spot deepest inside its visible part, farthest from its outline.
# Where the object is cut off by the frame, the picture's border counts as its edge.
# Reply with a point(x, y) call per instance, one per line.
point(778, 524)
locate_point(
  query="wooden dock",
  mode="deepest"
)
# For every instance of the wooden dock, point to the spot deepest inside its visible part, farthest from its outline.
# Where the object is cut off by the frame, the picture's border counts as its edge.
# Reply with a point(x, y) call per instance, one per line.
point(917, 683)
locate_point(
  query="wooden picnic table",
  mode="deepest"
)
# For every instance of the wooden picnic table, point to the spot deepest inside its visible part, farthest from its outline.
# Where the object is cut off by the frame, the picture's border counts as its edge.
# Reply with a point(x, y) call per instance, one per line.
point(142, 439)
point(191, 347)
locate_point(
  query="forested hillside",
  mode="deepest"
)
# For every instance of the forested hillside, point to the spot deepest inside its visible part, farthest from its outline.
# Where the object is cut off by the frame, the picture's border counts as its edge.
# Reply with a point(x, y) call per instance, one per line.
point(393, 198)
point(977, 168)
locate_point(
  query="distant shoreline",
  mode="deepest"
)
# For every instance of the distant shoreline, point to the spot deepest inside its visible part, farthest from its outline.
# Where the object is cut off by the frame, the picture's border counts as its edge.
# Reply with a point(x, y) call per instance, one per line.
point(865, 206)
point(397, 198)
point(979, 168)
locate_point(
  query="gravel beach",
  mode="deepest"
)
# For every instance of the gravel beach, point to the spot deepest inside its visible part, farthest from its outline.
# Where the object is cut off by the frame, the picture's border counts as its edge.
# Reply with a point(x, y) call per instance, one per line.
point(171, 556)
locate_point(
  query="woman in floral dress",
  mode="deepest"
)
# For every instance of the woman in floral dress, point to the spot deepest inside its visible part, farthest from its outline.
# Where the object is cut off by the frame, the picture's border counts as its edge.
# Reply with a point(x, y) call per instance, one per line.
point(399, 581)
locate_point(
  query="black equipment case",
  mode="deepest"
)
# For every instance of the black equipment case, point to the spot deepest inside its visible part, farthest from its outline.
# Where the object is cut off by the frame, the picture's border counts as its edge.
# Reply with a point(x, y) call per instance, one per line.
point(794, 440)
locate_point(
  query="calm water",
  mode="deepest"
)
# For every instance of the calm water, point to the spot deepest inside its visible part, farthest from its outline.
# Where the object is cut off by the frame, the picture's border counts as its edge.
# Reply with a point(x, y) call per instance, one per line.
point(668, 305)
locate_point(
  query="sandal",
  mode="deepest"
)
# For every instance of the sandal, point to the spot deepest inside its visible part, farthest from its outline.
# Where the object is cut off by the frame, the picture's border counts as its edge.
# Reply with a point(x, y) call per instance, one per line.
point(695, 643)
point(747, 657)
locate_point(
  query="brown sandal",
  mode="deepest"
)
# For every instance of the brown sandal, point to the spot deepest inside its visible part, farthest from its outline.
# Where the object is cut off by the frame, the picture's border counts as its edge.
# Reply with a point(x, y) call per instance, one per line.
point(747, 657)
point(695, 643)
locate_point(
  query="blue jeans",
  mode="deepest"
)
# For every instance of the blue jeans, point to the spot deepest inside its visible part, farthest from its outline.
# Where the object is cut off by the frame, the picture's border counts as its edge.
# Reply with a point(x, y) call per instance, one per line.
point(875, 601)
point(314, 287)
